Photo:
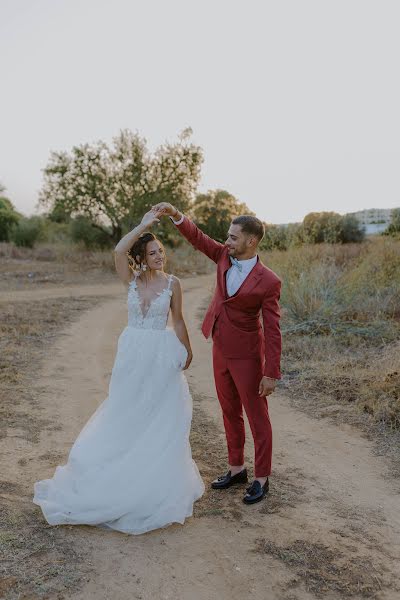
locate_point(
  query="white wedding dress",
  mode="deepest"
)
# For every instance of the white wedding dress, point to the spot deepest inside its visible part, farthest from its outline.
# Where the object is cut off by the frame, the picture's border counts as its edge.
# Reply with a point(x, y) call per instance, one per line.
point(131, 467)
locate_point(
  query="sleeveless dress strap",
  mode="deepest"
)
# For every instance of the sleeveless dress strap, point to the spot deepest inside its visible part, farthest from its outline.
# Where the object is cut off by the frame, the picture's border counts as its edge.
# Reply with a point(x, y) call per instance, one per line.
point(169, 282)
point(135, 276)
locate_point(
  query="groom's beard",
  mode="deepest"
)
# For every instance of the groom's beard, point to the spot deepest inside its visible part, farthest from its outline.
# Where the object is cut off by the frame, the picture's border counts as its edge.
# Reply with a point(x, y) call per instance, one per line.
point(236, 252)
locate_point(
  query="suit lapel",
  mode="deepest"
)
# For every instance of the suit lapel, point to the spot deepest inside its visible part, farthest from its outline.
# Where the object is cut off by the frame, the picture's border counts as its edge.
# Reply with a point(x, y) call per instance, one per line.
point(226, 268)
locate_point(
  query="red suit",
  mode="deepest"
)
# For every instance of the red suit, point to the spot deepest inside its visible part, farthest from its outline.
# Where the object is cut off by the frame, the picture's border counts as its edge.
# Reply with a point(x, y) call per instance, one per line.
point(243, 349)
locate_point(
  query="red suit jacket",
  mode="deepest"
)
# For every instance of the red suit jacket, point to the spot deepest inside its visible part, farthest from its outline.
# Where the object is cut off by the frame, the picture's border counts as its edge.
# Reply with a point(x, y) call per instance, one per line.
point(234, 321)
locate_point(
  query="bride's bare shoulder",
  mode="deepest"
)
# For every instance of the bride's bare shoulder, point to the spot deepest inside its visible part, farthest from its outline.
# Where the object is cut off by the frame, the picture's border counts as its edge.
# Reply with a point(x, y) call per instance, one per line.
point(174, 279)
point(129, 280)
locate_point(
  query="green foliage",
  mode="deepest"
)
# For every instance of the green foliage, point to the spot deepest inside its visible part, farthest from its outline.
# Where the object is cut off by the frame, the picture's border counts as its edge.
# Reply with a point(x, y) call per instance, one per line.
point(9, 218)
point(28, 231)
point(214, 211)
point(317, 228)
point(351, 230)
point(54, 232)
point(331, 228)
point(58, 214)
point(394, 225)
point(114, 187)
point(276, 238)
point(321, 227)
point(281, 237)
point(82, 229)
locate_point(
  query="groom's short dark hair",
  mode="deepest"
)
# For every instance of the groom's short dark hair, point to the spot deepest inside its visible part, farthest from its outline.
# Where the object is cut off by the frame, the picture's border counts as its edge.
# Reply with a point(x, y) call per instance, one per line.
point(250, 225)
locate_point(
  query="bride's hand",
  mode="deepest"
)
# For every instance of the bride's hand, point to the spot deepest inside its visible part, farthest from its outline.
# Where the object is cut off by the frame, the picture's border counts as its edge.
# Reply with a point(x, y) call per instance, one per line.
point(152, 216)
point(188, 361)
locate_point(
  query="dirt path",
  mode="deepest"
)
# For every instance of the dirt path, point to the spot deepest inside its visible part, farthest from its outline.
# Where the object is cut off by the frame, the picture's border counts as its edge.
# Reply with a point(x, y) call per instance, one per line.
point(330, 527)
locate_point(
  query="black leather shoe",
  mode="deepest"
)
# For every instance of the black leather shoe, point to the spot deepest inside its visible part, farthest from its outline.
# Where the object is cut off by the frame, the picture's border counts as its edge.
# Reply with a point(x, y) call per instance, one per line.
point(256, 492)
point(227, 480)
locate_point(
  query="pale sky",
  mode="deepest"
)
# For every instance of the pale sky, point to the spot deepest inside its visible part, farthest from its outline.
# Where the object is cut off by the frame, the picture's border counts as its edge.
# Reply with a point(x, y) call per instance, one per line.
point(294, 102)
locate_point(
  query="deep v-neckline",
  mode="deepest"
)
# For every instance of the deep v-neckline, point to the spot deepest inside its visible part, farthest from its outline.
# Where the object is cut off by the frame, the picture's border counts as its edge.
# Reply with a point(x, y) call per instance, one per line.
point(156, 297)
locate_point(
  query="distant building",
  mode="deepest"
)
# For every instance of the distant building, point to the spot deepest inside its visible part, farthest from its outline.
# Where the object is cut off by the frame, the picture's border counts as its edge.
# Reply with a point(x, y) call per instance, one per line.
point(373, 216)
point(374, 220)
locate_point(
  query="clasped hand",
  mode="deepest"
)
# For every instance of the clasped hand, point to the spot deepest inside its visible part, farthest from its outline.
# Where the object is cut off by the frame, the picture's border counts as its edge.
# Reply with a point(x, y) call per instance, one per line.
point(165, 208)
point(152, 216)
point(157, 211)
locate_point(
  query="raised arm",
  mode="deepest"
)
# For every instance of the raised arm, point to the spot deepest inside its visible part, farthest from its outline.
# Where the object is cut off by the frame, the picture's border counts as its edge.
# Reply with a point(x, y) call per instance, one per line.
point(125, 243)
point(191, 232)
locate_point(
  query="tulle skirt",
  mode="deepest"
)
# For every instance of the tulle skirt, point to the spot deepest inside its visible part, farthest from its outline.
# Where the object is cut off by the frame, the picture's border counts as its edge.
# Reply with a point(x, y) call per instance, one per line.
point(131, 467)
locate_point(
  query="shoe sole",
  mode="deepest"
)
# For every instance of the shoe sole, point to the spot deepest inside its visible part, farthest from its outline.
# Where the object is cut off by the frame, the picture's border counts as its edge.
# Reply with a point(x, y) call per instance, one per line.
point(225, 487)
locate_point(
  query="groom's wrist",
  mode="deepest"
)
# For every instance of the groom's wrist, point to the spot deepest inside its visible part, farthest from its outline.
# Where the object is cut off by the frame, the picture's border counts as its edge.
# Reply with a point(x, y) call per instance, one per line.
point(177, 217)
point(275, 379)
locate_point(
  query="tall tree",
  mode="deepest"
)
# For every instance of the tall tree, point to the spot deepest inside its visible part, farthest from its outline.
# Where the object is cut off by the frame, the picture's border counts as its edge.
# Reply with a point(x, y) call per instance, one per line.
point(114, 186)
point(214, 211)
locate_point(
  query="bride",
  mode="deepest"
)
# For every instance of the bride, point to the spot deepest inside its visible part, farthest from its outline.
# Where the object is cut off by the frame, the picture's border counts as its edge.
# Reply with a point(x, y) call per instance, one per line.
point(131, 467)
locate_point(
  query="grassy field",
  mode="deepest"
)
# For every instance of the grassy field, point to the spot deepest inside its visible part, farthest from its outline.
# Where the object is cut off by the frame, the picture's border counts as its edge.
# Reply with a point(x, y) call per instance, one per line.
point(341, 328)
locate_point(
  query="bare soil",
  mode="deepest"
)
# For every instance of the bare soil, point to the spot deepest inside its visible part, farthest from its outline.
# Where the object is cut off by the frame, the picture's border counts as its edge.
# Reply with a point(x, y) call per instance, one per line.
point(330, 527)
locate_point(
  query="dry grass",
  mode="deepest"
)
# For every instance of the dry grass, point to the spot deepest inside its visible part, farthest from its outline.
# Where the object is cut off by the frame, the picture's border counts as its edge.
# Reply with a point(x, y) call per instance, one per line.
point(37, 560)
point(208, 447)
point(325, 571)
point(341, 328)
point(64, 264)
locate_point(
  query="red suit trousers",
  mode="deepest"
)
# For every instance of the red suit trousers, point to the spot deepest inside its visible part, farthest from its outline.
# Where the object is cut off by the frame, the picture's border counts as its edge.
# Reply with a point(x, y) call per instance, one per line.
point(237, 381)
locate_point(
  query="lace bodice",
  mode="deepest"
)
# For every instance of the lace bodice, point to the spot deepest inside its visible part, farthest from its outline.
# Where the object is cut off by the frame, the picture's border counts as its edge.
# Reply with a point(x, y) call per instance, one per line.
point(156, 316)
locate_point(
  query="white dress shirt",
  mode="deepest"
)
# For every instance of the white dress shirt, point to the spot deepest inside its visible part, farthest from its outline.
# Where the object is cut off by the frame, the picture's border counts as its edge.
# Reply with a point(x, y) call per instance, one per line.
point(234, 277)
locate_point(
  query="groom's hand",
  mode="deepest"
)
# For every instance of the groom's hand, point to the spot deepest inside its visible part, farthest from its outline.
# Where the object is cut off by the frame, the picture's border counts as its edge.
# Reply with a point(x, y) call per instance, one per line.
point(167, 209)
point(267, 386)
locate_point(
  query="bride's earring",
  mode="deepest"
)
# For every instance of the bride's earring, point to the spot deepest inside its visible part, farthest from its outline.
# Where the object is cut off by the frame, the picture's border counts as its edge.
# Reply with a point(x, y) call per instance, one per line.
point(143, 266)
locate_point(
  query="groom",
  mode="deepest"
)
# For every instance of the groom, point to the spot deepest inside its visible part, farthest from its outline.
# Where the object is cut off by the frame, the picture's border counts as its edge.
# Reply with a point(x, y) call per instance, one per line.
point(246, 356)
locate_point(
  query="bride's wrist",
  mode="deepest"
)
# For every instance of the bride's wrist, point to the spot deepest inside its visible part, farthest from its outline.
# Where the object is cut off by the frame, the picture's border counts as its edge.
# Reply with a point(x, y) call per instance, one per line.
point(143, 226)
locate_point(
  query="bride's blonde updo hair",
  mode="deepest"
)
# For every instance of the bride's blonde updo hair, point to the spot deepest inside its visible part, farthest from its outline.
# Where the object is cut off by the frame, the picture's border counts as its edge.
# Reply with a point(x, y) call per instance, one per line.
point(138, 249)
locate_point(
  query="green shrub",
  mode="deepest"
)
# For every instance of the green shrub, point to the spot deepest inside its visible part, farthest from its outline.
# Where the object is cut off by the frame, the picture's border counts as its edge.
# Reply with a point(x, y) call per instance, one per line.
point(9, 217)
point(55, 232)
point(331, 228)
point(394, 225)
point(276, 238)
point(27, 231)
point(81, 229)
